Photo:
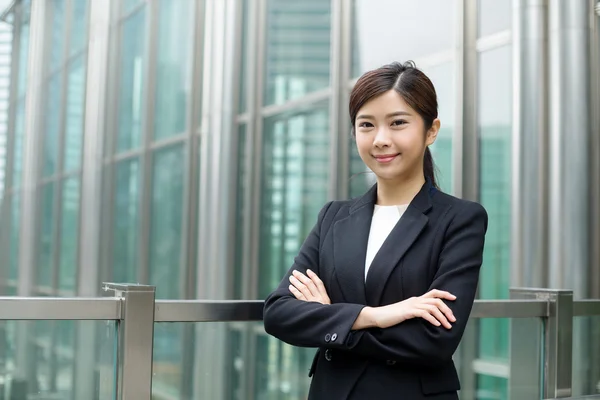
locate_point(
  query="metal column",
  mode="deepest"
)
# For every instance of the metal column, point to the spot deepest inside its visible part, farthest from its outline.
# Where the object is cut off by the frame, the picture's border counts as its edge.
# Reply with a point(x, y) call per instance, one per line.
point(530, 142)
point(91, 187)
point(136, 340)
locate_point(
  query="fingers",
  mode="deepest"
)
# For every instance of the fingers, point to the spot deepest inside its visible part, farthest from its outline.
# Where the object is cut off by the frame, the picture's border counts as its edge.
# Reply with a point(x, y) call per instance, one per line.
point(443, 307)
point(297, 294)
point(439, 294)
point(301, 287)
point(318, 282)
point(439, 316)
point(306, 281)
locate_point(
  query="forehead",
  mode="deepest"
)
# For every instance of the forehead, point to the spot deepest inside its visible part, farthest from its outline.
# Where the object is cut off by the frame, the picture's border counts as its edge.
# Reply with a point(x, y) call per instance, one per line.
point(384, 103)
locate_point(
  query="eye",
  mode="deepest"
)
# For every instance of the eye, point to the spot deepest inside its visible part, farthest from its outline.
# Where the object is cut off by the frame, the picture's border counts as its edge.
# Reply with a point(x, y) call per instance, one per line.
point(399, 122)
point(365, 125)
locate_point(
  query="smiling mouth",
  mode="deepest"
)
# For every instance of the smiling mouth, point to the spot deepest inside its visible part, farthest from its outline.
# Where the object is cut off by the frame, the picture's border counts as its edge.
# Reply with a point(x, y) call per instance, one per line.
point(386, 158)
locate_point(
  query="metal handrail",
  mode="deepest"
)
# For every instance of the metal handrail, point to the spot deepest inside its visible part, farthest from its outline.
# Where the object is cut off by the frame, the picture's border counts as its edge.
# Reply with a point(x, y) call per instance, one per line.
point(110, 308)
point(60, 308)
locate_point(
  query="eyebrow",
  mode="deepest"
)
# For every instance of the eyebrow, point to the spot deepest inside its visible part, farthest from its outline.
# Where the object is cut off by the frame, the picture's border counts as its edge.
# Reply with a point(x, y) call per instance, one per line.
point(394, 114)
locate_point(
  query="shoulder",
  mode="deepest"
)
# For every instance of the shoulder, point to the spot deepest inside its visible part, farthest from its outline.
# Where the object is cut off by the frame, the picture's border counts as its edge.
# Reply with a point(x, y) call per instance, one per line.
point(460, 209)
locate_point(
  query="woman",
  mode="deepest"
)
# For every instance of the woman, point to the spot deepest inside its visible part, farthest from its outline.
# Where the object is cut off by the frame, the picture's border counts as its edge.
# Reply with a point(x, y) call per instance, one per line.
point(384, 284)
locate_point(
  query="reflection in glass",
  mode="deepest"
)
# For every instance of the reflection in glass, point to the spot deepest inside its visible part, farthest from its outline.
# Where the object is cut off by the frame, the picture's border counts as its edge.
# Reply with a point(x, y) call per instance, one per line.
point(69, 239)
point(295, 178)
point(498, 385)
point(298, 47)
point(494, 16)
point(46, 236)
point(79, 31)
point(167, 359)
point(165, 233)
point(495, 126)
point(173, 68)
point(399, 30)
point(52, 125)
point(131, 97)
point(53, 373)
point(125, 222)
point(74, 123)
point(57, 28)
point(586, 354)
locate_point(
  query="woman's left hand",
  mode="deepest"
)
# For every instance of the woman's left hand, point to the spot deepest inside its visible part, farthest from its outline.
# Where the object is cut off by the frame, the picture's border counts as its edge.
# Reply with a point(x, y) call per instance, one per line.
point(308, 288)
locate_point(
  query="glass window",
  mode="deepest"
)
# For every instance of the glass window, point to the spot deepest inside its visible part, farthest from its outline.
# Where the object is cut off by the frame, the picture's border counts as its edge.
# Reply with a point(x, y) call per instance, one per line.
point(18, 143)
point(15, 214)
point(399, 30)
point(494, 16)
point(125, 222)
point(298, 47)
point(79, 27)
point(129, 5)
point(23, 49)
point(45, 262)
point(442, 77)
point(295, 179)
point(52, 124)
point(243, 176)
point(173, 69)
point(166, 234)
point(69, 237)
point(74, 119)
point(244, 81)
point(495, 133)
point(131, 98)
point(57, 27)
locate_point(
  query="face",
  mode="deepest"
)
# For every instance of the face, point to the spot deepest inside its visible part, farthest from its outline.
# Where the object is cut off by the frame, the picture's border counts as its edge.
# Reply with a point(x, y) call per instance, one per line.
point(391, 137)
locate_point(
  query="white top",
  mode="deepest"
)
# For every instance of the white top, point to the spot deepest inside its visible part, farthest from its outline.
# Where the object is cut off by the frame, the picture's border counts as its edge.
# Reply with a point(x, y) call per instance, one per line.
point(384, 220)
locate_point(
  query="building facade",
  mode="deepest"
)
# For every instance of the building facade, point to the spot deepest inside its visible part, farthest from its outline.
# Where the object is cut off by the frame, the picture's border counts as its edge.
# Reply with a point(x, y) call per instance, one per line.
point(190, 144)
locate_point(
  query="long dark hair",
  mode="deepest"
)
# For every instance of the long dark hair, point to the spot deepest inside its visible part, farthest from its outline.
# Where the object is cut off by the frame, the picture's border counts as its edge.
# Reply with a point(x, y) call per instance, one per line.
point(415, 88)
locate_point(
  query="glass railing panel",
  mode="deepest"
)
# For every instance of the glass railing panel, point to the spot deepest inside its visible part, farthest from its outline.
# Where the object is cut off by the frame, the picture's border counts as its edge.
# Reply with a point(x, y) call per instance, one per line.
point(499, 358)
point(226, 360)
point(58, 360)
point(586, 356)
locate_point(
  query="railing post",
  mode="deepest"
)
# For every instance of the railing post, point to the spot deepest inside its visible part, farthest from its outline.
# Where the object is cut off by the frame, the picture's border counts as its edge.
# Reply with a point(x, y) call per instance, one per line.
point(136, 340)
point(558, 342)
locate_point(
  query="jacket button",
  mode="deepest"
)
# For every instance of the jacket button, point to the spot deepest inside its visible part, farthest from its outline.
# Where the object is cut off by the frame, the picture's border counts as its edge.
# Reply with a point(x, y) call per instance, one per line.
point(334, 337)
point(328, 338)
point(391, 362)
point(328, 355)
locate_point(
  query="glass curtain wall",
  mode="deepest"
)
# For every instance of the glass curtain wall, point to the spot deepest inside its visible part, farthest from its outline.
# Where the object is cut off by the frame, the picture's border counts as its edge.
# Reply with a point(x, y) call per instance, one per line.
point(150, 161)
point(18, 25)
point(494, 126)
point(58, 186)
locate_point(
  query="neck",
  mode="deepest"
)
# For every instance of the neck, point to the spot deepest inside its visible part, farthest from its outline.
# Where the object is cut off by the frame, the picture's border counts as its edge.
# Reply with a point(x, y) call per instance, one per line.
point(396, 192)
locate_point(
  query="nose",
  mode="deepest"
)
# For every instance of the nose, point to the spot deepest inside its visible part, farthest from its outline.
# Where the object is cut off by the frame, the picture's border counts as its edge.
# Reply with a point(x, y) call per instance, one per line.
point(382, 138)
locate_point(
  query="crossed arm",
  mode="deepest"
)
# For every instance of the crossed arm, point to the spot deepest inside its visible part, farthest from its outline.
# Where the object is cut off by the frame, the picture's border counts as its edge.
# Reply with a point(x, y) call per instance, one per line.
point(423, 330)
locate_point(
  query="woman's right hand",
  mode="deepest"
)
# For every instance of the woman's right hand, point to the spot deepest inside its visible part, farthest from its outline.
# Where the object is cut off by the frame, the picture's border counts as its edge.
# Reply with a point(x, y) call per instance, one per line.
point(429, 306)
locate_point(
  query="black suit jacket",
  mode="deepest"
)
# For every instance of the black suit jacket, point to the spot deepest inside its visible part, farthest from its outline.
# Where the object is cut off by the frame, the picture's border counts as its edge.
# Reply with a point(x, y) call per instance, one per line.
point(437, 244)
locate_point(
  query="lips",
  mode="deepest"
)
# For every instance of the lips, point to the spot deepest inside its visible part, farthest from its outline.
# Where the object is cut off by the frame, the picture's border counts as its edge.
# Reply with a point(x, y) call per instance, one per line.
point(385, 158)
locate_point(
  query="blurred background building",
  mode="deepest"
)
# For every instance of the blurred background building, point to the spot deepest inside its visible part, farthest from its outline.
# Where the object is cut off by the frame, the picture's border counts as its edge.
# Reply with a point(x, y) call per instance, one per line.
point(189, 144)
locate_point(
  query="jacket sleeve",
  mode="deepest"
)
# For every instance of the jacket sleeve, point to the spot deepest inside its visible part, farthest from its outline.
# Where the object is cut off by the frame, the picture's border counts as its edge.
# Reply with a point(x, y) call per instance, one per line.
point(308, 324)
point(417, 341)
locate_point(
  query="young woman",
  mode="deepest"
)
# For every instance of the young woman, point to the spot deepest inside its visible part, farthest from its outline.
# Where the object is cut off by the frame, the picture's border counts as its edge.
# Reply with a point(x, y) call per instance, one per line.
point(384, 284)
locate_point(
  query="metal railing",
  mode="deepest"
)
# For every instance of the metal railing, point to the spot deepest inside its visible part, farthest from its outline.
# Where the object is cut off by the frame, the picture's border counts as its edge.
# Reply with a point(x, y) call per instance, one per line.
point(135, 310)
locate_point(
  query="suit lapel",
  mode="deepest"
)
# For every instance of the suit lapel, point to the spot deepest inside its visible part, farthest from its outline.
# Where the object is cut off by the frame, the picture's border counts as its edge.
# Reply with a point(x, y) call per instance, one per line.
point(400, 239)
point(350, 237)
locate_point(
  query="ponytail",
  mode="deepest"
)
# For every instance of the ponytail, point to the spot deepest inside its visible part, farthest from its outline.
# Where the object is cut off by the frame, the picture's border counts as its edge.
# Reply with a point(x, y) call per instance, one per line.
point(429, 168)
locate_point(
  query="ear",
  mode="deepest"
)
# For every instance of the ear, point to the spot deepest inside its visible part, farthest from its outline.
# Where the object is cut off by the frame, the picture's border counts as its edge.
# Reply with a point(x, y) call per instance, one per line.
point(433, 132)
